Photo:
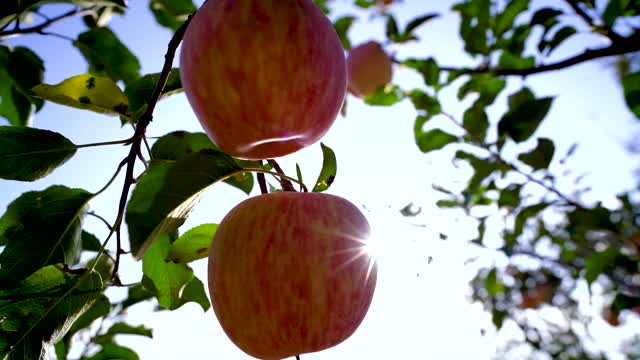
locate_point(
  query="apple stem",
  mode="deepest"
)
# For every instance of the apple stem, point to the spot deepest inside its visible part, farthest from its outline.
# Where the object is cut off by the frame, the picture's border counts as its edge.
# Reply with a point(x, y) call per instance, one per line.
point(262, 182)
point(285, 183)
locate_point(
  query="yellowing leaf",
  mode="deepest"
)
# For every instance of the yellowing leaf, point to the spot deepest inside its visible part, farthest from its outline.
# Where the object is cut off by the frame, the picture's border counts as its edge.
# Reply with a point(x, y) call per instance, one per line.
point(88, 92)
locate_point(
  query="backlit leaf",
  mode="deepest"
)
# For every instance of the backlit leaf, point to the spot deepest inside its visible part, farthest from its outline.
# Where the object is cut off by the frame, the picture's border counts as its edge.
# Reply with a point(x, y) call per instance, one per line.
point(87, 92)
point(140, 90)
point(107, 55)
point(329, 169)
point(631, 86)
point(193, 244)
point(40, 309)
point(541, 156)
point(342, 26)
point(41, 228)
point(177, 145)
point(172, 13)
point(167, 192)
point(385, 95)
point(597, 263)
point(521, 122)
point(168, 278)
point(476, 122)
point(20, 70)
point(28, 154)
point(434, 140)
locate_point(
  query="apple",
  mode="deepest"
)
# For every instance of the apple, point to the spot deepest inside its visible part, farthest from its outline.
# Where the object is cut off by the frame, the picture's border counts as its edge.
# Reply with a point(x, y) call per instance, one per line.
point(368, 68)
point(264, 78)
point(289, 273)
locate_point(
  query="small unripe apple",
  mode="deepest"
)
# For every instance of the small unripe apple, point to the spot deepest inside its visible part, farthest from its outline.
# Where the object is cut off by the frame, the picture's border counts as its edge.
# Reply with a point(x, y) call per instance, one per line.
point(264, 78)
point(289, 273)
point(368, 68)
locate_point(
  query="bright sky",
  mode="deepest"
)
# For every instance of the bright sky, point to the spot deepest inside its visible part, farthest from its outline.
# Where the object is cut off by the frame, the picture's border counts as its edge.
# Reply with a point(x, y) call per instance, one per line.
point(420, 309)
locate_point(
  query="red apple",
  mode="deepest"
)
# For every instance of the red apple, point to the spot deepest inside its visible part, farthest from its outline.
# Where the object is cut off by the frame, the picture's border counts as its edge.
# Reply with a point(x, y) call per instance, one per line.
point(289, 274)
point(368, 68)
point(264, 78)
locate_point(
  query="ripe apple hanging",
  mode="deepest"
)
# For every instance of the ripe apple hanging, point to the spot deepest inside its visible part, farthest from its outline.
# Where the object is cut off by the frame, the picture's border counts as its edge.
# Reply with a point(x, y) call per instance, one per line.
point(264, 78)
point(289, 273)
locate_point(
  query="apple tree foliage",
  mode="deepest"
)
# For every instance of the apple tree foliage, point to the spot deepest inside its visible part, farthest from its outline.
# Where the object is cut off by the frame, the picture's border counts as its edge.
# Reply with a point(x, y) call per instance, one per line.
point(53, 274)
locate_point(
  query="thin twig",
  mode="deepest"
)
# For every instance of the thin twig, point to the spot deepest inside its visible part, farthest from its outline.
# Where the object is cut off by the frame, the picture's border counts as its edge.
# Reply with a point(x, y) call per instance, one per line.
point(39, 28)
point(262, 182)
point(480, 144)
point(286, 184)
point(138, 136)
point(92, 213)
point(612, 35)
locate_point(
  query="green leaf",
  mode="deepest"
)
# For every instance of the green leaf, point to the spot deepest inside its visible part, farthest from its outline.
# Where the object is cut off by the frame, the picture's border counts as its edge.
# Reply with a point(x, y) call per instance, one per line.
point(624, 302)
point(492, 284)
point(631, 86)
point(87, 92)
point(541, 156)
point(525, 214)
point(178, 144)
point(476, 122)
point(167, 192)
point(20, 70)
point(195, 292)
point(137, 294)
point(39, 310)
point(505, 19)
point(140, 90)
point(417, 22)
point(329, 169)
point(299, 174)
point(510, 196)
point(193, 244)
point(168, 278)
point(510, 61)
point(172, 13)
point(451, 203)
point(28, 154)
point(497, 317)
point(113, 351)
point(520, 97)
point(427, 68)
point(597, 263)
point(41, 228)
point(342, 26)
point(423, 101)
point(487, 86)
point(108, 56)
point(434, 140)
point(90, 242)
point(521, 122)
point(100, 308)
point(385, 95)
point(545, 17)
point(614, 9)
point(122, 328)
point(391, 29)
point(558, 38)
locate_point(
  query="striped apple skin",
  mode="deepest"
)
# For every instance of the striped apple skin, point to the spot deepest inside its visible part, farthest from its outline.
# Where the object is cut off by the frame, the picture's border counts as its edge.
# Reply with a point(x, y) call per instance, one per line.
point(288, 274)
point(265, 78)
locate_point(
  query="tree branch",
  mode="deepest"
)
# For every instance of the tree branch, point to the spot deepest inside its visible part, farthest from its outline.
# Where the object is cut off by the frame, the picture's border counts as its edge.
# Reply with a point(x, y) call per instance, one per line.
point(39, 28)
point(614, 36)
point(623, 46)
point(140, 131)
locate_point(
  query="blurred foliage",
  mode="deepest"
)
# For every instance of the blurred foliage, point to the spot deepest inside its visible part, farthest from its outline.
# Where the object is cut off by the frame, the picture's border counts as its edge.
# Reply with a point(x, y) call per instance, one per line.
point(551, 243)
